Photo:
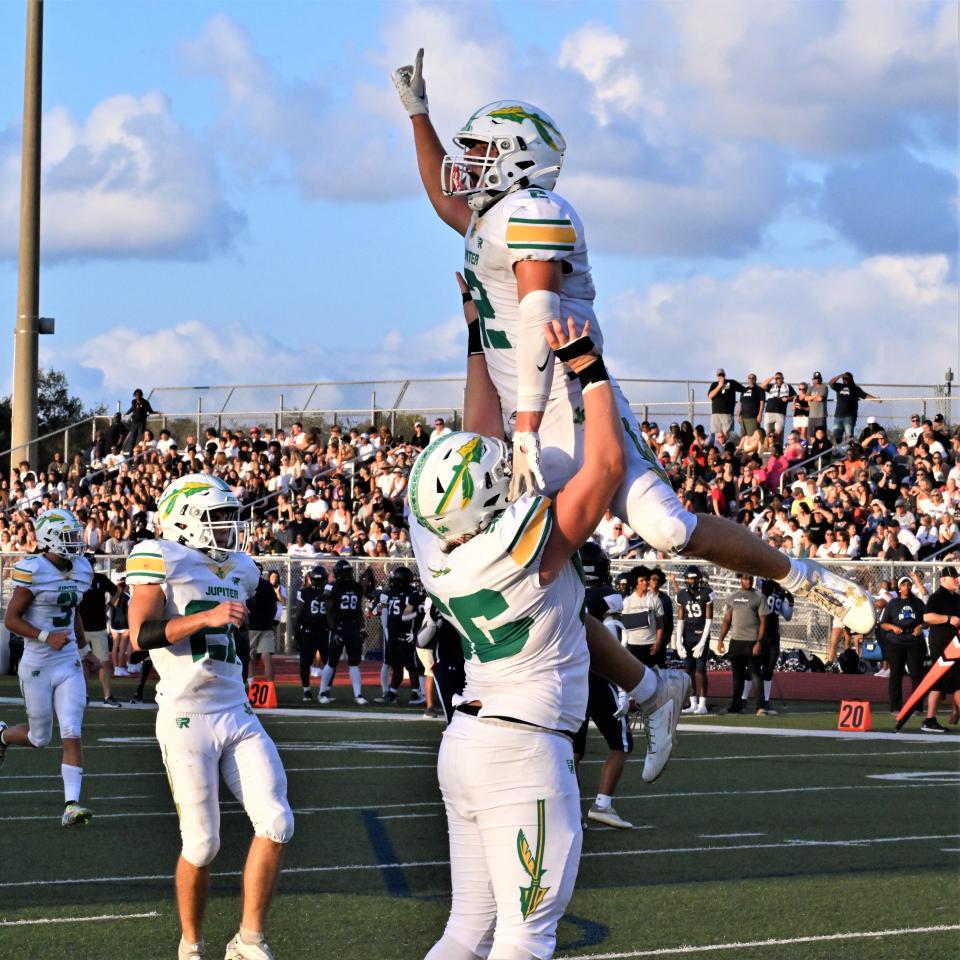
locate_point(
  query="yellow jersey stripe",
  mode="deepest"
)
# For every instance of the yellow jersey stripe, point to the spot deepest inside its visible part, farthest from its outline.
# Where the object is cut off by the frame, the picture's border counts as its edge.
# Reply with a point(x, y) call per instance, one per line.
point(533, 536)
point(540, 233)
point(146, 564)
point(22, 576)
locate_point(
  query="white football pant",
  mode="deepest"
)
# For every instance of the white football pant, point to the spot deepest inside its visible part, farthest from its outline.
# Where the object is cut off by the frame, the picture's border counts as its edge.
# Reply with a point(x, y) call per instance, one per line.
point(197, 748)
point(645, 500)
point(509, 892)
point(56, 687)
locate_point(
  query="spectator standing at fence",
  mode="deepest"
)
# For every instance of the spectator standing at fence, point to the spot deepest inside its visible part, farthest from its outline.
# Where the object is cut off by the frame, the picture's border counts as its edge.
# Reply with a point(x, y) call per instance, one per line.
point(779, 396)
point(849, 394)
point(261, 624)
point(643, 620)
point(816, 396)
point(942, 616)
point(723, 401)
point(751, 406)
point(744, 620)
point(801, 411)
point(138, 412)
point(902, 628)
point(92, 610)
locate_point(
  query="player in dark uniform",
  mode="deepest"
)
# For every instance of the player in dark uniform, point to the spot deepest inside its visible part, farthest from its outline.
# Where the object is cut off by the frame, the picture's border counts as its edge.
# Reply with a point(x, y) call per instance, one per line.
point(606, 704)
point(694, 620)
point(779, 606)
point(439, 641)
point(345, 620)
point(311, 628)
point(401, 603)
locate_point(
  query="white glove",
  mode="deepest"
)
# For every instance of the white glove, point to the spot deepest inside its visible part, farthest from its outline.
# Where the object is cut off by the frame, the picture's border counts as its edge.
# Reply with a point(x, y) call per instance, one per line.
point(699, 649)
point(623, 704)
point(527, 477)
point(413, 91)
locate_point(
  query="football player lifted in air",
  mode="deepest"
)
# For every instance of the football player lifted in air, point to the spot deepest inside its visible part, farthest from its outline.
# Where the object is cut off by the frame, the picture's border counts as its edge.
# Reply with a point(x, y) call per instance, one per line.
point(47, 588)
point(694, 621)
point(189, 596)
point(525, 263)
point(605, 705)
point(503, 573)
point(345, 620)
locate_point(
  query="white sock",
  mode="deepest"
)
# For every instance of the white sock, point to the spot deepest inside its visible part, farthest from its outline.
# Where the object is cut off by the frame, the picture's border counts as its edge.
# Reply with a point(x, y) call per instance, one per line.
point(796, 577)
point(326, 678)
point(423, 687)
point(746, 694)
point(646, 688)
point(385, 678)
point(72, 777)
point(703, 702)
point(767, 687)
point(693, 701)
point(355, 680)
point(603, 801)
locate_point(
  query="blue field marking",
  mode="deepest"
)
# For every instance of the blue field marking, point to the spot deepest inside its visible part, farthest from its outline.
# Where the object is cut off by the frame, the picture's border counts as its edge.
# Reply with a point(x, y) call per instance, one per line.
point(592, 933)
point(393, 876)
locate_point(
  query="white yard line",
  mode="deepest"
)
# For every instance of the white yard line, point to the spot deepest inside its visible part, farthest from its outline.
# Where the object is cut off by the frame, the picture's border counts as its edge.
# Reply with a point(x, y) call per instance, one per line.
point(814, 734)
point(780, 942)
point(409, 865)
point(727, 836)
point(104, 916)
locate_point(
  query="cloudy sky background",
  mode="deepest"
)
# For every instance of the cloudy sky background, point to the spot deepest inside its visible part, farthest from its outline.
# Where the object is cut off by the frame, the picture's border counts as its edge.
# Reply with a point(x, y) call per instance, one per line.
point(230, 194)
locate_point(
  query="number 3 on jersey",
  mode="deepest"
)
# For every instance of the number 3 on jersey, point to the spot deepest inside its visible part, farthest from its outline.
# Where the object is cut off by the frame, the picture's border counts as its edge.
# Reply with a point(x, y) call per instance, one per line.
point(493, 339)
point(485, 643)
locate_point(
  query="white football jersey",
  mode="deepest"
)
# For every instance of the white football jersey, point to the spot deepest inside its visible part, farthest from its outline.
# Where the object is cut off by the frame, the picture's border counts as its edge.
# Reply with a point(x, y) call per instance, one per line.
point(530, 224)
point(202, 673)
point(56, 594)
point(524, 644)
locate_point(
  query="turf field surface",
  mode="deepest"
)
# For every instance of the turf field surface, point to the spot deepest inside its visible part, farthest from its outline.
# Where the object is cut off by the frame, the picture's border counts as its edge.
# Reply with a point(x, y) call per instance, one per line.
point(766, 838)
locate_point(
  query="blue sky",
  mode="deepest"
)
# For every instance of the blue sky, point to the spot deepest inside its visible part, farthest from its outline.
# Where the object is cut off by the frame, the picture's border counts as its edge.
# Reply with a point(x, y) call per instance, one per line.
point(230, 192)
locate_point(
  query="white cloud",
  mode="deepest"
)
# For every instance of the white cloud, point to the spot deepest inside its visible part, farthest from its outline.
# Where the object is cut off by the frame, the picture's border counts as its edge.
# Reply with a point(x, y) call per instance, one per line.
point(128, 181)
point(888, 319)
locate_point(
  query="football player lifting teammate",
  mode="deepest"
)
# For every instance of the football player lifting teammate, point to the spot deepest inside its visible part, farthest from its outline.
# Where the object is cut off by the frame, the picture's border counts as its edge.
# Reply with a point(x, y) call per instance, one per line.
point(189, 596)
point(47, 589)
point(525, 263)
point(503, 573)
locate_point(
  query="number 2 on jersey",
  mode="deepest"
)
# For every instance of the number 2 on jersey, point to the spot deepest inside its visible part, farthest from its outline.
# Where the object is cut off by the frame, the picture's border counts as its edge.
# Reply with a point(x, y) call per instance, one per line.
point(490, 643)
point(495, 339)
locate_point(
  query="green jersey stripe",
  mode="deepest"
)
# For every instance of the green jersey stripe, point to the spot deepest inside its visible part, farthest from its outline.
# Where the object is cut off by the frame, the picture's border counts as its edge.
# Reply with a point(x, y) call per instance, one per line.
point(540, 246)
point(559, 223)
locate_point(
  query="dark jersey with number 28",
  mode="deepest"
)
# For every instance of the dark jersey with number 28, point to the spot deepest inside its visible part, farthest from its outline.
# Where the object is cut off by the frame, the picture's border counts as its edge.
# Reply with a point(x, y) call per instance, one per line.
point(345, 607)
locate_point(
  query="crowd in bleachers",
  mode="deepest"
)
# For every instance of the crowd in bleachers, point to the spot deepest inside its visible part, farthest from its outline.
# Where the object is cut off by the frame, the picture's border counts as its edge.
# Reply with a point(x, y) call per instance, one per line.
point(809, 491)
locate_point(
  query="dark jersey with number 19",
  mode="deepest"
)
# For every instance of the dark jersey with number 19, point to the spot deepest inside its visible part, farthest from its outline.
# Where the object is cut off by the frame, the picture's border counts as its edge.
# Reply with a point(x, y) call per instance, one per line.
point(694, 604)
point(345, 608)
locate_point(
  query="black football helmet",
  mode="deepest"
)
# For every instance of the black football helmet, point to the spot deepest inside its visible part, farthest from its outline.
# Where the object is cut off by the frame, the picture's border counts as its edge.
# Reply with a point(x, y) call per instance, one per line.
point(401, 578)
point(693, 577)
point(342, 570)
point(596, 564)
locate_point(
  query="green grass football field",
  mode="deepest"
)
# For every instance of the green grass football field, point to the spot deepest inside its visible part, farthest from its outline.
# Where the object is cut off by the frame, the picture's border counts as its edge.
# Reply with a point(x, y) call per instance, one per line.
point(771, 839)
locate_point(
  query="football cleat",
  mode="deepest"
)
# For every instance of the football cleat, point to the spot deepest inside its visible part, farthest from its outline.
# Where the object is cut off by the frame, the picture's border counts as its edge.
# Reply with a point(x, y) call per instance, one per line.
point(136, 699)
point(324, 698)
point(238, 950)
point(701, 710)
point(306, 698)
point(111, 702)
point(361, 701)
point(417, 699)
point(3, 746)
point(609, 816)
point(841, 598)
point(661, 713)
point(388, 697)
point(688, 710)
point(74, 815)
point(191, 951)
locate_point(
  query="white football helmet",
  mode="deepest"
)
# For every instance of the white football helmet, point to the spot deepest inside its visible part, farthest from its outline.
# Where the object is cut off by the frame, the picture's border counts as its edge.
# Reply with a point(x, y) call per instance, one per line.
point(60, 532)
point(524, 148)
point(459, 484)
point(201, 511)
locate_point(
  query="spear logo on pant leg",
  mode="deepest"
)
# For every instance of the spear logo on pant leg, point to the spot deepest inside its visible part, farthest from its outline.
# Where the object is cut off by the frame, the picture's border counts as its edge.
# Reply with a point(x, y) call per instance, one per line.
point(531, 897)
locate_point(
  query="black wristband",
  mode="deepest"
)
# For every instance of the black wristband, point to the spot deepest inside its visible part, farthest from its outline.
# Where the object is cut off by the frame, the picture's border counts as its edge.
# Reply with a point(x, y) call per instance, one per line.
point(153, 635)
point(596, 372)
point(466, 296)
point(575, 348)
point(474, 339)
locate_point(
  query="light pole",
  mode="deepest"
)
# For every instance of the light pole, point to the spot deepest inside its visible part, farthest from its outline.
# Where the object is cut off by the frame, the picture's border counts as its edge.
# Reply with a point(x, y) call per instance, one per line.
point(26, 336)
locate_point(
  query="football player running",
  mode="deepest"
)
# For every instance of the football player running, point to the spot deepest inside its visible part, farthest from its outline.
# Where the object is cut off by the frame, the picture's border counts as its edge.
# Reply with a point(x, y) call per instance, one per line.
point(502, 573)
point(189, 596)
point(526, 262)
point(47, 588)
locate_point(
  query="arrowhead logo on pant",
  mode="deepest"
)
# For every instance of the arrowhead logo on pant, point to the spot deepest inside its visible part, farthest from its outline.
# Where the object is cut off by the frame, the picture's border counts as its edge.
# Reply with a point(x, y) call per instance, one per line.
point(531, 897)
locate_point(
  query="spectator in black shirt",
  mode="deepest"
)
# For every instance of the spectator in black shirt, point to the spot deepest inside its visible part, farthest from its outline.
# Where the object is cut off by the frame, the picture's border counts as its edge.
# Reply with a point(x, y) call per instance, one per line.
point(779, 395)
point(849, 394)
point(751, 406)
point(139, 410)
point(942, 616)
point(723, 401)
point(261, 625)
point(420, 438)
point(902, 629)
point(115, 433)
